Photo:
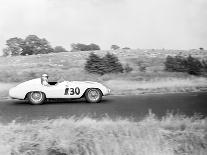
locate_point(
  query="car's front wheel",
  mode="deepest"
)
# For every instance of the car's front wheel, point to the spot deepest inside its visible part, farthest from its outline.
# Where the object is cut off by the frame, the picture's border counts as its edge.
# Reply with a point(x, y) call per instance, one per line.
point(93, 95)
point(36, 97)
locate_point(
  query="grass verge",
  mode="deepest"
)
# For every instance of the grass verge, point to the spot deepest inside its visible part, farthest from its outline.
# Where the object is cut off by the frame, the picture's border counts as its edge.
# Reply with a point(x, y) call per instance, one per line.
point(172, 134)
point(161, 85)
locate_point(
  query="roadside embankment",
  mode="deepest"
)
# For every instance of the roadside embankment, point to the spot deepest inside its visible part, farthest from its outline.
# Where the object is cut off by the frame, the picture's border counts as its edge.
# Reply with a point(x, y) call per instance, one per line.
point(171, 135)
point(161, 85)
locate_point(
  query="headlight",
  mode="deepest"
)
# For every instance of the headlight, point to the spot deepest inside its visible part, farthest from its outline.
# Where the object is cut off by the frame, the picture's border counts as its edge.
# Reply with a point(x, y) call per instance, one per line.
point(12, 92)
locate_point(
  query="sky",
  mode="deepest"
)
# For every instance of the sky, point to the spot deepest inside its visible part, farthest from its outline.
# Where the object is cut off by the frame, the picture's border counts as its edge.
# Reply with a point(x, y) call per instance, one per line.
point(171, 24)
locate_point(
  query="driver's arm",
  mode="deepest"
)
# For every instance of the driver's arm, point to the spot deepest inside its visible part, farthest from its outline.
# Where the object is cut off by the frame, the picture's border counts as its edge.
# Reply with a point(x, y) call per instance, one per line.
point(45, 83)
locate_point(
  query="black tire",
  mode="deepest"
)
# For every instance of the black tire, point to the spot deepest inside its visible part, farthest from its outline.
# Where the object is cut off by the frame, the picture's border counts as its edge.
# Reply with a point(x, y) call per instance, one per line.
point(36, 98)
point(93, 95)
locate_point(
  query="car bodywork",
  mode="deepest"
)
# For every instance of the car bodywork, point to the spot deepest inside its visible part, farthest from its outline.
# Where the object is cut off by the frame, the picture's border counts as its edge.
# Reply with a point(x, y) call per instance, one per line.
point(66, 89)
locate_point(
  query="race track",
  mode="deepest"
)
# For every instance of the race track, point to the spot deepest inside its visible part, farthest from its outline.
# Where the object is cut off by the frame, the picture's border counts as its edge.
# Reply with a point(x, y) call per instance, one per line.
point(113, 106)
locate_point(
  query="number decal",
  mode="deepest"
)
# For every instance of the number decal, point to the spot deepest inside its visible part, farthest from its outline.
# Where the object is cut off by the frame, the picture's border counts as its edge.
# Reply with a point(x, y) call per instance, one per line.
point(72, 91)
point(77, 90)
point(66, 91)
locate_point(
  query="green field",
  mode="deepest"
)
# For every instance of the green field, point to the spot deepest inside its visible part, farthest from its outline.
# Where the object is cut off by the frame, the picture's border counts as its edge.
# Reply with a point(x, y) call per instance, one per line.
point(70, 66)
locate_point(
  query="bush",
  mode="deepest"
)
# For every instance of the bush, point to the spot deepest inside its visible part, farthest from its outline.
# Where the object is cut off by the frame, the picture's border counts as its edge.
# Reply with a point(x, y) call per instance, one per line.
point(115, 47)
point(179, 63)
point(59, 49)
point(142, 66)
point(194, 66)
point(95, 64)
point(126, 48)
point(108, 64)
point(112, 64)
point(204, 65)
point(127, 68)
point(83, 47)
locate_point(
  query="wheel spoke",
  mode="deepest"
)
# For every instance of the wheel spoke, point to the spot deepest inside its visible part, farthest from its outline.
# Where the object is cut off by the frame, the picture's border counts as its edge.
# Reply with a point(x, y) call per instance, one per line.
point(93, 95)
point(36, 96)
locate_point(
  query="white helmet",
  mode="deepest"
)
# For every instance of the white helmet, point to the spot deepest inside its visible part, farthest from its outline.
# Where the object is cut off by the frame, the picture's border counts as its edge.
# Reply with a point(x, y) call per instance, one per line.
point(45, 75)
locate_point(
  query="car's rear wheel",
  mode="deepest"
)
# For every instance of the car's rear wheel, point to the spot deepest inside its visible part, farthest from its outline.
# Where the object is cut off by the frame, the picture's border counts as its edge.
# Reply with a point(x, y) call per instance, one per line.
point(36, 97)
point(93, 95)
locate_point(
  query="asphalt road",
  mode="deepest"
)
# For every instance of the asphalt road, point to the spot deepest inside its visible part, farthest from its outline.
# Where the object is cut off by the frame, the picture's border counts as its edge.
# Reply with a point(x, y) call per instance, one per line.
point(113, 106)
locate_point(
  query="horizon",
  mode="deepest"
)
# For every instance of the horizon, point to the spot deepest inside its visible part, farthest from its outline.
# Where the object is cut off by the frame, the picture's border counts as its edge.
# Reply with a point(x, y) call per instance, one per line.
point(138, 24)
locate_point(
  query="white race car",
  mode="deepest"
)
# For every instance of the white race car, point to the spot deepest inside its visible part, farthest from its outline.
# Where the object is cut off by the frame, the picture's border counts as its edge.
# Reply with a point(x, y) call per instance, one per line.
point(36, 93)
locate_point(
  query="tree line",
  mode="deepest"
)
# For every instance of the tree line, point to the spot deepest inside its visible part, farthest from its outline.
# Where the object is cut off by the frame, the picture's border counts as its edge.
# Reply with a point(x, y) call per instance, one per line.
point(32, 45)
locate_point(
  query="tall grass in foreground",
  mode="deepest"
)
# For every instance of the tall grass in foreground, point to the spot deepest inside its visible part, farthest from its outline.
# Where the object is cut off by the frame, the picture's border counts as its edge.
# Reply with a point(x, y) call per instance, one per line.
point(86, 136)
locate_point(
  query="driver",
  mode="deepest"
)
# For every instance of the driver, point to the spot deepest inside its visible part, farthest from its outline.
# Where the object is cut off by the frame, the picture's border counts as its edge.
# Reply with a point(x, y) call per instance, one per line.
point(44, 80)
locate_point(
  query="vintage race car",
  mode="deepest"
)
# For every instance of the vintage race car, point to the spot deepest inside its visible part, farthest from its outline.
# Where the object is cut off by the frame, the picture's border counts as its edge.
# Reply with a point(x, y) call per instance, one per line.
point(36, 93)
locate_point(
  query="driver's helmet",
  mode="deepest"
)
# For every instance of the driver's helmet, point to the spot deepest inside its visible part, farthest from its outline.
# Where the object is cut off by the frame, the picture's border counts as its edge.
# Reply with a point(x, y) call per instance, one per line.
point(45, 75)
point(44, 79)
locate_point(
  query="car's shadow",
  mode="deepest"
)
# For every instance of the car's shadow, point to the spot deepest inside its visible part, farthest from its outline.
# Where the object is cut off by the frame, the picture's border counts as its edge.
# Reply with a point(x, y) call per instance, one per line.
point(62, 101)
point(73, 101)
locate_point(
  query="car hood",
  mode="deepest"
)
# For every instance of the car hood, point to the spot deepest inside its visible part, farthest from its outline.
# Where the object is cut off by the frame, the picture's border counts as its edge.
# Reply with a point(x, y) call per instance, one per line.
point(33, 82)
point(86, 82)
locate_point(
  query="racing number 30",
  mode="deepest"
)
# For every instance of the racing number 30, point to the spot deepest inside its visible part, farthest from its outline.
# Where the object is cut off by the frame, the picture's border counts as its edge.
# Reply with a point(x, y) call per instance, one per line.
point(72, 91)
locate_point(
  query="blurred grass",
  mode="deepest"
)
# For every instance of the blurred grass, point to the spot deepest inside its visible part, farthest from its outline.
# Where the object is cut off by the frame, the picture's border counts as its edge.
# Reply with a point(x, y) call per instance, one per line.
point(170, 135)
